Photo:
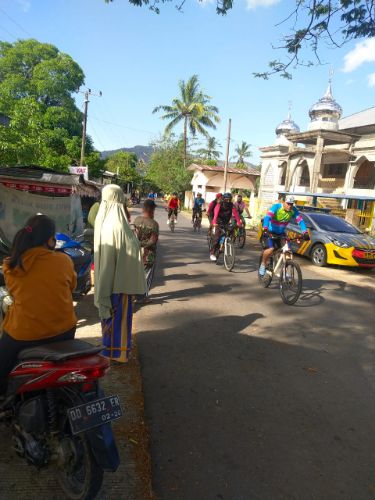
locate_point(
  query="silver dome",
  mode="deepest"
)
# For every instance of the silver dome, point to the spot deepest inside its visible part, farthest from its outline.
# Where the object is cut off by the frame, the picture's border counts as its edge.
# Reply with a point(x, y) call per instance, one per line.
point(326, 107)
point(288, 126)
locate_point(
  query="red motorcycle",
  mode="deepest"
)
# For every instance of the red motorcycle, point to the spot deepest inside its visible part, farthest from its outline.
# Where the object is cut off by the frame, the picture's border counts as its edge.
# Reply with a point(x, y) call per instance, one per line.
point(59, 417)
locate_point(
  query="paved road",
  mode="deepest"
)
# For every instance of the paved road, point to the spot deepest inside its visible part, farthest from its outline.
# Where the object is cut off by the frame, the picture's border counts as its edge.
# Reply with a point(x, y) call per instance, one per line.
point(247, 398)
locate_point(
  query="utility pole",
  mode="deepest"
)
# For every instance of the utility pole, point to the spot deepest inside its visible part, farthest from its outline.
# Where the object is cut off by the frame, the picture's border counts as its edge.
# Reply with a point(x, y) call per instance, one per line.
point(227, 155)
point(87, 93)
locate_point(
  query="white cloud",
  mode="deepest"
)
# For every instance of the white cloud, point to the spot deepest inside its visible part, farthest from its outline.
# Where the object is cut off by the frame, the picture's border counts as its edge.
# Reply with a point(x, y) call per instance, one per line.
point(371, 80)
point(253, 4)
point(24, 5)
point(363, 52)
point(205, 2)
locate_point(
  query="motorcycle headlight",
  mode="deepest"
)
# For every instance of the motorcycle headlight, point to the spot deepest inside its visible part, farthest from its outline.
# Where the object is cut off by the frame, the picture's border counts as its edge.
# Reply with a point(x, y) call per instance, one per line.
point(339, 243)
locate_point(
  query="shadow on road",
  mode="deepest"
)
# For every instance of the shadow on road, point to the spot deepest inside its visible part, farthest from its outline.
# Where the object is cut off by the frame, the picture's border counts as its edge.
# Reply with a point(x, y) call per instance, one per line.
point(232, 413)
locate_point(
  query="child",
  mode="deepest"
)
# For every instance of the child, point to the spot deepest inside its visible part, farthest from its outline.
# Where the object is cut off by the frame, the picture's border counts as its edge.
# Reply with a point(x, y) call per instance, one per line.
point(147, 231)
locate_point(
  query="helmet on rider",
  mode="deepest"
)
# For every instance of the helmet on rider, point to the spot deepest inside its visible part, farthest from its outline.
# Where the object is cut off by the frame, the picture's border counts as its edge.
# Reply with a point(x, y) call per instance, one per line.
point(289, 202)
point(219, 195)
point(199, 195)
point(227, 196)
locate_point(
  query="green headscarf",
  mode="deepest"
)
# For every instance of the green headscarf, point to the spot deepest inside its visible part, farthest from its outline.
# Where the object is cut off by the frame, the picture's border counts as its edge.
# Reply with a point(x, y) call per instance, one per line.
point(117, 256)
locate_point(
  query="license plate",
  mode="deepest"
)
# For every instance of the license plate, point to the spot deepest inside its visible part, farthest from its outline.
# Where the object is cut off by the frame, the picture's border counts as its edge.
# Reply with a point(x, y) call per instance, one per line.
point(94, 413)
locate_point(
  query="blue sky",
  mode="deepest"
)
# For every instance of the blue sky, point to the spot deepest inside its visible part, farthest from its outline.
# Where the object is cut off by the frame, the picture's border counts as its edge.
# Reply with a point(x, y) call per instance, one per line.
point(136, 58)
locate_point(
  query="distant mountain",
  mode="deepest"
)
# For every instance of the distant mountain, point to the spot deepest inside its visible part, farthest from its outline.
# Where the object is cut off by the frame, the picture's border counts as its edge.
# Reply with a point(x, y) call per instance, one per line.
point(142, 152)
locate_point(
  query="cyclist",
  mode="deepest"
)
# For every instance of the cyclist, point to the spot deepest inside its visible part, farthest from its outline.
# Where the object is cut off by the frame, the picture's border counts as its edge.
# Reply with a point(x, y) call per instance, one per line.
point(241, 207)
point(198, 207)
point(173, 207)
point(223, 214)
point(212, 205)
point(274, 225)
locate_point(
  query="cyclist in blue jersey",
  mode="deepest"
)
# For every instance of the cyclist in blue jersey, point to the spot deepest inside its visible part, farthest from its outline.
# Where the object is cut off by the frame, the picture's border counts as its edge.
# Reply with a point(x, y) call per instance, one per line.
point(274, 225)
point(198, 206)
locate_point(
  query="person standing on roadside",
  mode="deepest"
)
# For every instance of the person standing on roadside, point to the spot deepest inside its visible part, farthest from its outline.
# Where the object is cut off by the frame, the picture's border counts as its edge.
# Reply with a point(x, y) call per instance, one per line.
point(119, 273)
point(147, 232)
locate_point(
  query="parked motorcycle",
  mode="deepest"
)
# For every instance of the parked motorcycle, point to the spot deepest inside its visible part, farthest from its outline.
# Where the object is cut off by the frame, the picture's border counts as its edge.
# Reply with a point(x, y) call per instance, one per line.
point(81, 253)
point(58, 415)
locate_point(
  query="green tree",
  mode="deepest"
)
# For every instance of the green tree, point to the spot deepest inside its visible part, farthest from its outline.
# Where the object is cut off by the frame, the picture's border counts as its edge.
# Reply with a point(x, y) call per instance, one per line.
point(124, 164)
point(193, 108)
point(37, 83)
point(332, 23)
point(210, 152)
point(166, 169)
point(243, 152)
point(312, 22)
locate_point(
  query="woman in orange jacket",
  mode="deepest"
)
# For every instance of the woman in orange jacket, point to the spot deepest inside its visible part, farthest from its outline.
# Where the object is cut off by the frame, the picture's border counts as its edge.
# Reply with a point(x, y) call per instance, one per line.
point(41, 282)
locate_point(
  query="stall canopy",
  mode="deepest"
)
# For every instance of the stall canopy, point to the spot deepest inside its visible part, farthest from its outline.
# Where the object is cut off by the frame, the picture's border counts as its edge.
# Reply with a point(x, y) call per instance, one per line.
point(27, 190)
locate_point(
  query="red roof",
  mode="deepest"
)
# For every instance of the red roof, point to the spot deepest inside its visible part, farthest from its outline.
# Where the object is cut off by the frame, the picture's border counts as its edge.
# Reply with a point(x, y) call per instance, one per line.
point(215, 168)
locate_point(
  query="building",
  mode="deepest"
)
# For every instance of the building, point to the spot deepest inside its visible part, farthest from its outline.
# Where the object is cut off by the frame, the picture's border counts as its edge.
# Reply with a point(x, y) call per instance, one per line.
point(335, 157)
point(209, 179)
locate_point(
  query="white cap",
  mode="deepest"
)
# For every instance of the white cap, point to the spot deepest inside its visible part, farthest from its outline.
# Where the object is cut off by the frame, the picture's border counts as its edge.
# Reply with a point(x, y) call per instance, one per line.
point(289, 199)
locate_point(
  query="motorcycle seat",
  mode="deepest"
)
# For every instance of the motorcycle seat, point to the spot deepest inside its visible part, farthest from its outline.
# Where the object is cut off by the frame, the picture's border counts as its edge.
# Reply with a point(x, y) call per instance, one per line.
point(59, 351)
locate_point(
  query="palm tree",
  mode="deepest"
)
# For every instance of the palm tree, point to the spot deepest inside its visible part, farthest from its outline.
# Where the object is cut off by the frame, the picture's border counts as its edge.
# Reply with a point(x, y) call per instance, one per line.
point(193, 108)
point(210, 152)
point(243, 151)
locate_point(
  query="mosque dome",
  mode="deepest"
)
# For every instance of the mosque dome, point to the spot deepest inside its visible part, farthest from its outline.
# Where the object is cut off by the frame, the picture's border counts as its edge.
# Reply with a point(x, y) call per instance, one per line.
point(288, 126)
point(325, 114)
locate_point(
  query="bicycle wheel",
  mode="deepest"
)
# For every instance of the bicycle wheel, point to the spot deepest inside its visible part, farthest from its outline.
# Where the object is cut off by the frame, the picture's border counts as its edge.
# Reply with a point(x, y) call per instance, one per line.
point(266, 280)
point(229, 254)
point(209, 238)
point(290, 282)
point(241, 237)
point(171, 224)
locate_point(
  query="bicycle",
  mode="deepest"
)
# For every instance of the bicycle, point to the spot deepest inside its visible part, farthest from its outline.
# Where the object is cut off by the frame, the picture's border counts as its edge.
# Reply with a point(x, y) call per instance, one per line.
point(197, 221)
point(226, 247)
point(239, 235)
point(282, 265)
point(172, 222)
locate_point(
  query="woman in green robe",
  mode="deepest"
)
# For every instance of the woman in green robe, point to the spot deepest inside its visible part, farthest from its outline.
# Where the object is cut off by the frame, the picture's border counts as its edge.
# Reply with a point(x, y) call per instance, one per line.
point(119, 273)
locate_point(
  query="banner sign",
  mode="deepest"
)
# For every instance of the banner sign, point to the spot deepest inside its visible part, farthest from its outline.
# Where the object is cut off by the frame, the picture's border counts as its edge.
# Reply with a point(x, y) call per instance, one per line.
point(35, 188)
point(17, 206)
point(80, 171)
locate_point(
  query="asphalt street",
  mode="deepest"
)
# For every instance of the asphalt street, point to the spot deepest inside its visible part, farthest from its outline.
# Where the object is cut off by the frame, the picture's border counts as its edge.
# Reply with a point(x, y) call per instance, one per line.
point(247, 398)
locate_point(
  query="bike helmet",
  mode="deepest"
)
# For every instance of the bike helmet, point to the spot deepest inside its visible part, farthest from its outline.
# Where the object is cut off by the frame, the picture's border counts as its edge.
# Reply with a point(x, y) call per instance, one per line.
point(199, 194)
point(219, 195)
point(227, 196)
point(290, 199)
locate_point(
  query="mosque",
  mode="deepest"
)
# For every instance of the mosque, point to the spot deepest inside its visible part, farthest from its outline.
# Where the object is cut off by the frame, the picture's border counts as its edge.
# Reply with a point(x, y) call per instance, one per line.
point(330, 165)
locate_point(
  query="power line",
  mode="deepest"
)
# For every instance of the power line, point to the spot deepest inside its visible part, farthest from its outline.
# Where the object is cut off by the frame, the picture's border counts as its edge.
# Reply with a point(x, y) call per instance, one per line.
point(96, 134)
point(15, 22)
point(8, 32)
point(122, 126)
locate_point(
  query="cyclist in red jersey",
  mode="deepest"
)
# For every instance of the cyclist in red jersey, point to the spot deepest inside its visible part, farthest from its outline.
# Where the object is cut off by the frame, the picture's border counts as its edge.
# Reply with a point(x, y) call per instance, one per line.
point(173, 207)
